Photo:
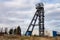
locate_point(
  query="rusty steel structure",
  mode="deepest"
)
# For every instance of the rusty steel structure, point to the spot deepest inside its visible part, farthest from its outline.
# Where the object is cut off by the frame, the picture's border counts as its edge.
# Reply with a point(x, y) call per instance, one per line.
point(39, 15)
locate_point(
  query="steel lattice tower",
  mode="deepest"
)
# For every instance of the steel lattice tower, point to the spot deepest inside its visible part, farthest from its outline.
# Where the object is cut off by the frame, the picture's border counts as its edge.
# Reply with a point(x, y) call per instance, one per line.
point(39, 15)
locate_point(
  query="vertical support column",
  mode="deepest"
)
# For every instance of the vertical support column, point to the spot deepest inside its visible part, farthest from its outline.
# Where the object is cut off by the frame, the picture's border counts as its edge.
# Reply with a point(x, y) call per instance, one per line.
point(41, 21)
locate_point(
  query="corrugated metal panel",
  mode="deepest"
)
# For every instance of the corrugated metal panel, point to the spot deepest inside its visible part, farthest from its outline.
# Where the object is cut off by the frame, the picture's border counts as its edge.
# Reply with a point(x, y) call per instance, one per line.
point(54, 33)
point(49, 33)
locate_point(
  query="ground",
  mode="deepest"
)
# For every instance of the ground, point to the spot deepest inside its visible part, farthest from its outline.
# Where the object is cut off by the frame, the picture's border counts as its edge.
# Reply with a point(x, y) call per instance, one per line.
point(17, 37)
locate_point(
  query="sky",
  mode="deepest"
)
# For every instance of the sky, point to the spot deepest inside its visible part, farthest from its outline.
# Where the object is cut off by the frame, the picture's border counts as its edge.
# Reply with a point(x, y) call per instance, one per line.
point(20, 12)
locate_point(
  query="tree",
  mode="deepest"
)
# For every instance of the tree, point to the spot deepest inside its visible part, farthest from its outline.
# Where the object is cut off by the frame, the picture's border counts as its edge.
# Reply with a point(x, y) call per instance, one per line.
point(11, 31)
point(18, 30)
point(14, 31)
point(5, 30)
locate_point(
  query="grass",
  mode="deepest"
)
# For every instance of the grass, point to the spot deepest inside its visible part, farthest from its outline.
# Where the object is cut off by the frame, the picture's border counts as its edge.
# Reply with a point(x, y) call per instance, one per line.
point(17, 37)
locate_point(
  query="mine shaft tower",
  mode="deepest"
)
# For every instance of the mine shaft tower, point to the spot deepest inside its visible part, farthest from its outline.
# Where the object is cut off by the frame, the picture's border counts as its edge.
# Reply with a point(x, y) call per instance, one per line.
point(39, 15)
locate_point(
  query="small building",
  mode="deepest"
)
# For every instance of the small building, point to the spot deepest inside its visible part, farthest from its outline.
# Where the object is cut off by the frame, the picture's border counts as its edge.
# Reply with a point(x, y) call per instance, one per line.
point(50, 33)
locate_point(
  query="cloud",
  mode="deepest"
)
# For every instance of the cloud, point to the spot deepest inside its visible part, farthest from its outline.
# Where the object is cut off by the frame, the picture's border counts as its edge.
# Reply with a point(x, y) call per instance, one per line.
point(16, 12)
point(20, 12)
point(52, 7)
point(52, 14)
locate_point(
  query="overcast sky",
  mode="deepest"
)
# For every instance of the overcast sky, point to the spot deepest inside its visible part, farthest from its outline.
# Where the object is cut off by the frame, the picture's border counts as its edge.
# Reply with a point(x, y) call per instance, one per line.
point(20, 12)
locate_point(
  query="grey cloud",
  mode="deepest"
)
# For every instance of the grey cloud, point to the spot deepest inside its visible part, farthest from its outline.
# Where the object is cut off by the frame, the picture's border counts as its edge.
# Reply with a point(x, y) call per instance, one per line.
point(4, 0)
point(53, 16)
point(17, 8)
point(9, 13)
